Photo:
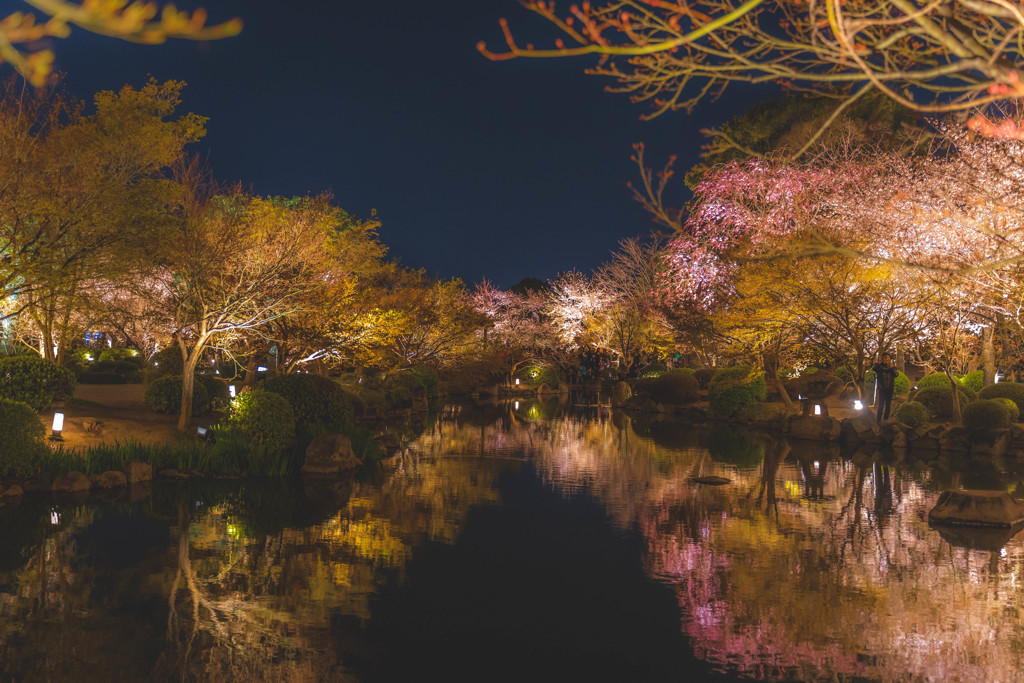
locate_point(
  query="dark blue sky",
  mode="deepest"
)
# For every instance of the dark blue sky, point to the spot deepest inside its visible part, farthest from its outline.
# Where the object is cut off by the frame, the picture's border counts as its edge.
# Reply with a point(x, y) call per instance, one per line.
point(477, 169)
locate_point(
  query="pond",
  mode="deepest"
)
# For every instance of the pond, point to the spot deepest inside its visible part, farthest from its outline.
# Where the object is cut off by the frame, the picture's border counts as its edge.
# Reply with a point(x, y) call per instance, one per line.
point(525, 541)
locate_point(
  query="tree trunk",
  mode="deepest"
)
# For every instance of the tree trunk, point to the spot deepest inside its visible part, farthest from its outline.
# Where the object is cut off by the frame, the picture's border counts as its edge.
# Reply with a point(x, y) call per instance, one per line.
point(188, 378)
point(901, 361)
point(953, 384)
point(988, 355)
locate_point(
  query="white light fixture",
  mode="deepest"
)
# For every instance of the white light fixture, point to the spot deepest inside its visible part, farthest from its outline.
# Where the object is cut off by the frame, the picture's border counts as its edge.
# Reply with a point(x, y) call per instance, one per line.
point(517, 381)
point(261, 368)
point(799, 397)
point(58, 427)
point(204, 434)
point(999, 376)
point(517, 405)
point(231, 390)
point(817, 409)
point(857, 405)
point(817, 466)
point(54, 517)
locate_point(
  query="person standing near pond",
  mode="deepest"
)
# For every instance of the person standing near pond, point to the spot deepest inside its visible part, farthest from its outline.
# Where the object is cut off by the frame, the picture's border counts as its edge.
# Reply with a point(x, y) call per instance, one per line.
point(885, 384)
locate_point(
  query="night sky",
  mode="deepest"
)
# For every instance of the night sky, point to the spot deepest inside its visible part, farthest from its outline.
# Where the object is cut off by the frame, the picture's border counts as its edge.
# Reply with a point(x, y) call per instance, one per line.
point(477, 169)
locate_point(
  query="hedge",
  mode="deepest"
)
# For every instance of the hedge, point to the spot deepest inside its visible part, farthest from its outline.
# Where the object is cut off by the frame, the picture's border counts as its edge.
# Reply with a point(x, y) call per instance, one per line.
point(939, 400)
point(35, 381)
point(735, 389)
point(313, 399)
point(163, 395)
point(987, 413)
point(912, 414)
point(21, 438)
point(1011, 390)
point(674, 387)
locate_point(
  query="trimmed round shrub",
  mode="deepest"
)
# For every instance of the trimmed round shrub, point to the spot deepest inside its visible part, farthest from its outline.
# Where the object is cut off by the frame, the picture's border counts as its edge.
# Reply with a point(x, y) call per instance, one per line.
point(217, 393)
point(101, 378)
point(133, 356)
point(1011, 390)
point(313, 399)
point(264, 418)
point(703, 376)
point(735, 389)
point(675, 387)
point(935, 379)
point(939, 401)
point(986, 413)
point(35, 381)
point(912, 414)
point(657, 369)
point(163, 395)
point(1011, 407)
point(975, 381)
point(21, 438)
point(901, 387)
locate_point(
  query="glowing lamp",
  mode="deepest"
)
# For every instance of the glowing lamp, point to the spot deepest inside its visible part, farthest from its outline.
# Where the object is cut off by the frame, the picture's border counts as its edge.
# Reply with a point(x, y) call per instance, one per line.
point(817, 409)
point(231, 390)
point(262, 368)
point(517, 381)
point(204, 434)
point(817, 466)
point(58, 427)
point(54, 517)
point(517, 405)
point(999, 376)
point(857, 405)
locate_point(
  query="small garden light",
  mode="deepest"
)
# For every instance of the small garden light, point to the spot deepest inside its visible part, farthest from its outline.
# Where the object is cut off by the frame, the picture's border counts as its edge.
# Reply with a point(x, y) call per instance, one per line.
point(517, 405)
point(517, 381)
point(58, 427)
point(204, 434)
point(817, 409)
point(231, 390)
point(857, 405)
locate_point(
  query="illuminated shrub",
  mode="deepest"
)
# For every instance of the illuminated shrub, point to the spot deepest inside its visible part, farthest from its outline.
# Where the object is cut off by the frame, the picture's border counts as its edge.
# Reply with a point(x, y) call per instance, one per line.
point(939, 400)
point(657, 370)
point(1011, 406)
point(901, 387)
point(987, 413)
point(163, 395)
point(733, 390)
point(1010, 390)
point(674, 387)
point(21, 438)
point(264, 418)
point(975, 381)
point(132, 356)
point(217, 393)
point(163, 363)
point(935, 379)
point(35, 381)
point(313, 399)
point(913, 414)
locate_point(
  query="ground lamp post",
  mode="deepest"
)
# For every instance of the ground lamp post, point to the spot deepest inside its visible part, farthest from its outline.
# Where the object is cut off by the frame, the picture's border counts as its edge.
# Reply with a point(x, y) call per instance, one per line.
point(58, 427)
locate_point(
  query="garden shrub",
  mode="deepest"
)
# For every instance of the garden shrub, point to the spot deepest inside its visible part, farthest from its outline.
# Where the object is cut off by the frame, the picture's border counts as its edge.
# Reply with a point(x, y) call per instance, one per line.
point(92, 377)
point(1010, 390)
point(986, 413)
point(934, 379)
point(264, 418)
point(217, 394)
point(675, 387)
point(21, 438)
point(913, 414)
point(313, 398)
point(735, 389)
point(1011, 406)
point(657, 369)
point(35, 381)
point(703, 376)
point(165, 362)
point(975, 381)
point(901, 387)
point(132, 356)
point(163, 395)
point(939, 401)
point(431, 381)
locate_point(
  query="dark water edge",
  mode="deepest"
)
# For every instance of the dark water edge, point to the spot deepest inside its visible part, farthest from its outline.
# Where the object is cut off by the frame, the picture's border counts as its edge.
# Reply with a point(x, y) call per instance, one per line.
point(538, 542)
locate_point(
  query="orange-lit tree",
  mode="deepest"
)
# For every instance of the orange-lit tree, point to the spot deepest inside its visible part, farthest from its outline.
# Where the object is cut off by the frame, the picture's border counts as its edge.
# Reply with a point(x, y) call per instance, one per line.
point(23, 33)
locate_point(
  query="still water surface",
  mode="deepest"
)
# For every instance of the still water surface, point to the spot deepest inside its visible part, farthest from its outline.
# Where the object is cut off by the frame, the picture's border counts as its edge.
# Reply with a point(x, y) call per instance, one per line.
point(540, 543)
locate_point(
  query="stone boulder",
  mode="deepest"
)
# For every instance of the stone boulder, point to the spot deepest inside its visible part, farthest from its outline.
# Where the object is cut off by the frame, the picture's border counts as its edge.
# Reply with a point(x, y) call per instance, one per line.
point(13, 492)
point(977, 508)
point(861, 429)
point(955, 439)
point(71, 482)
point(621, 392)
point(330, 454)
point(926, 437)
point(137, 472)
point(815, 428)
point(110, 480)
point(990, 442)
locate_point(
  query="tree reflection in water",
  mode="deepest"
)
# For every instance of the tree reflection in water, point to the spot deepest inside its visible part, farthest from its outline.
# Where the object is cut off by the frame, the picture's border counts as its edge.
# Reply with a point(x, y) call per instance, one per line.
point(808, 565)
